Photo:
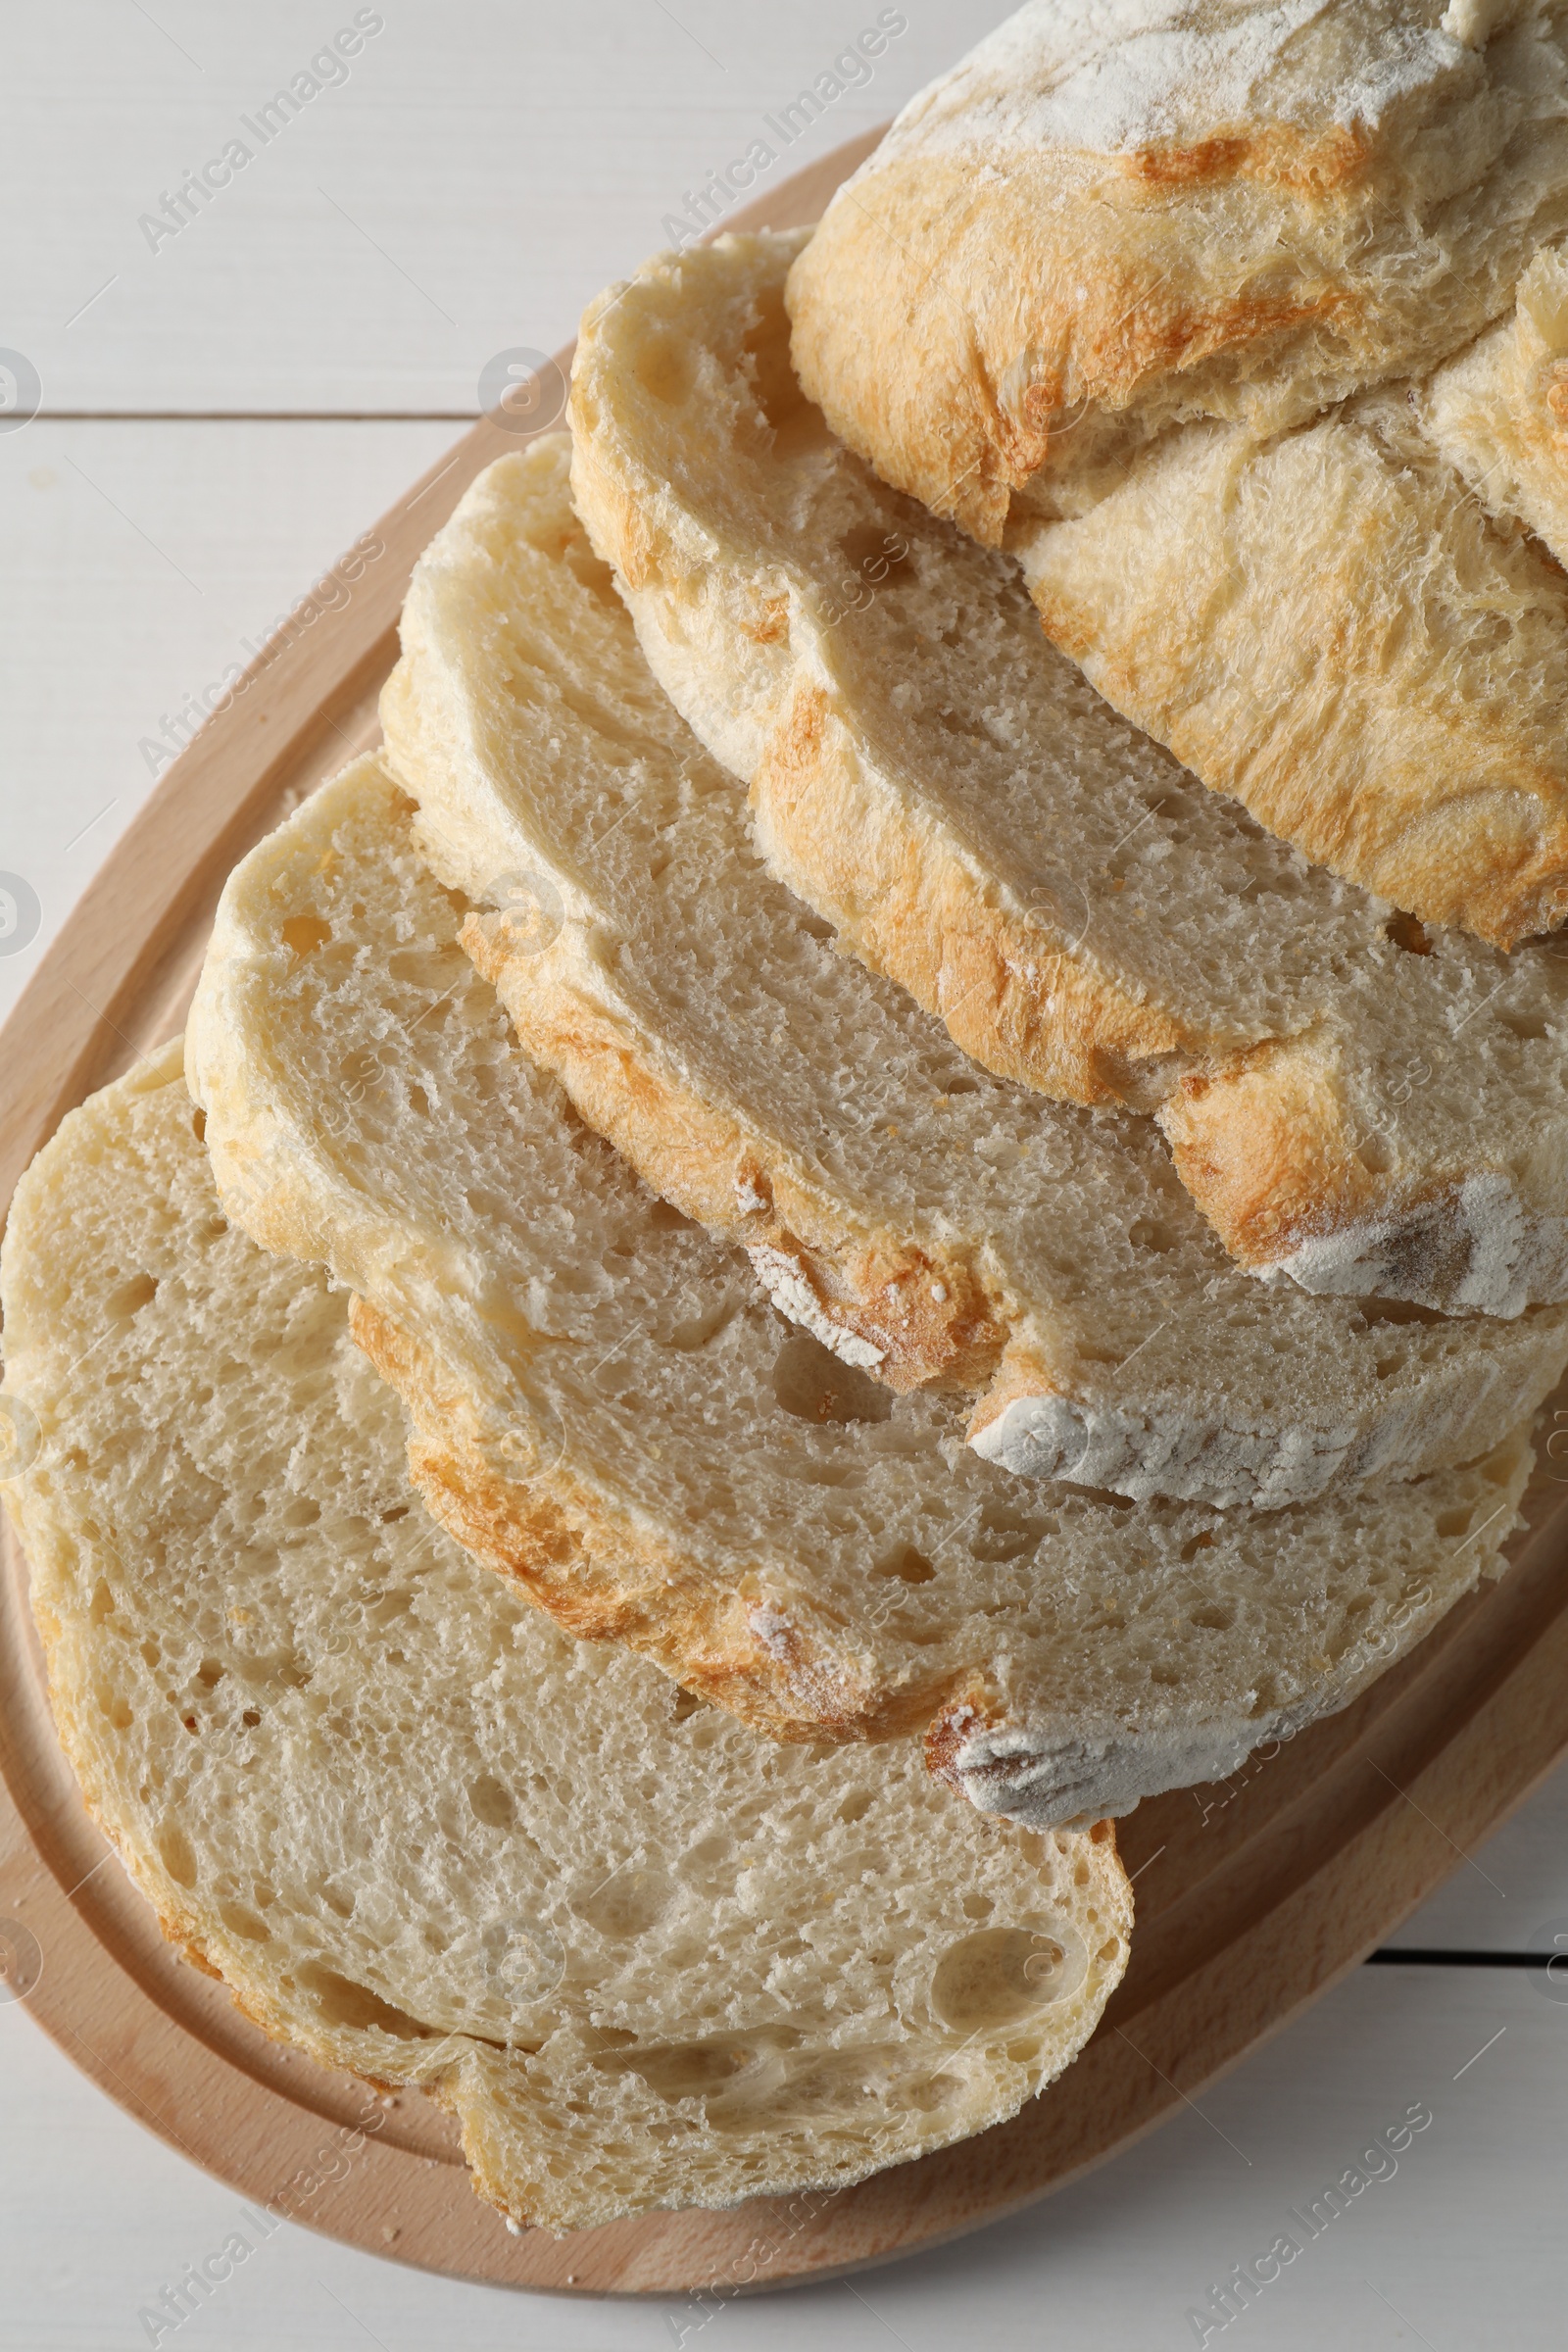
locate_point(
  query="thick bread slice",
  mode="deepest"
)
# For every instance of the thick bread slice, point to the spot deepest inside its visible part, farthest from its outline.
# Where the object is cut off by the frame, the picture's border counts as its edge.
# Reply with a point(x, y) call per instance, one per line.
point(1109, 219)
point(605, 1408)
point(942, 786)
point(645, 1957)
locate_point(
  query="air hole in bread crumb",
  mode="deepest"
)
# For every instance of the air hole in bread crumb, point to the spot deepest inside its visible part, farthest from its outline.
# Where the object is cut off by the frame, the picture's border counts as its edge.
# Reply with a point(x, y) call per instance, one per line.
point(198, 1121)
point(997, 1976)
point(177, 1855)
point(908, 1567)
point(1217, 1616)
point(241, 1921)
point(491, 1801)
point(1005, 1535)
point(1397, 1311)
point(132, 1295)
point(1453, 1523)
point(1408, 933)
point(339, 2001)
point(813, 1384)
point(686, 1705)
point(628, 1903)
point(305, 933)
point(698, 1329)
point(1145, 1234)
point(1196, 1544)
point(663, 366)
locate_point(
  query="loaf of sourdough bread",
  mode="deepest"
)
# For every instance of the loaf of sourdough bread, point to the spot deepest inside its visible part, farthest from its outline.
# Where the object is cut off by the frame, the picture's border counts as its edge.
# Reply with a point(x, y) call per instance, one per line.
point(645, 1957)
point(605, 1409)
point(1350, 1101)
point(1121, 261)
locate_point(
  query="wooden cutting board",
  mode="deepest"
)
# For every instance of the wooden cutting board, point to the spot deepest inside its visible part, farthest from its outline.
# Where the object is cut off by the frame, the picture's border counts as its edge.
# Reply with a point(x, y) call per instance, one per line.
point(1252, 1894)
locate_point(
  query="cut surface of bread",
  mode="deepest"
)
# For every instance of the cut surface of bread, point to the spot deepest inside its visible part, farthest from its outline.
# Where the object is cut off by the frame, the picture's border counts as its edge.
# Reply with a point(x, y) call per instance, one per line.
point(1107, 220)
point(1350, 1101)
point(645, 1957)
point(605, 1408)
point(933, 1223)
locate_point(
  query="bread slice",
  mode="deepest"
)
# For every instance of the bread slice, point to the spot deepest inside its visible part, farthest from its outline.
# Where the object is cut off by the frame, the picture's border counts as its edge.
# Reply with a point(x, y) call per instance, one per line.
point(645, 1957)
point(1106, 221)
point(1330, 627)
point(604, 1407)
point(933, 1223)
point(1350, 1101)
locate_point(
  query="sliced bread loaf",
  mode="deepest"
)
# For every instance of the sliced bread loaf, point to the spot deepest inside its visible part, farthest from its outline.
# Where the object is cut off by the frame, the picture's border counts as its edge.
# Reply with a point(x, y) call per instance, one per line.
point(1350, 1101)
point(645, 1957)
point(605, 1408)
point(931, 1222)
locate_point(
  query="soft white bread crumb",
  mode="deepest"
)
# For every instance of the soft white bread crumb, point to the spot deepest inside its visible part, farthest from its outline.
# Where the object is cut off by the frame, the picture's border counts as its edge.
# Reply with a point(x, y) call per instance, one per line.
point(605, 1409)
point(645, 1956)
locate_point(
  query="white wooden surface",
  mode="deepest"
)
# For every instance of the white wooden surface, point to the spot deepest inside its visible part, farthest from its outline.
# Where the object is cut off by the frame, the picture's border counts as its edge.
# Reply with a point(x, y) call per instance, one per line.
point(223, 418)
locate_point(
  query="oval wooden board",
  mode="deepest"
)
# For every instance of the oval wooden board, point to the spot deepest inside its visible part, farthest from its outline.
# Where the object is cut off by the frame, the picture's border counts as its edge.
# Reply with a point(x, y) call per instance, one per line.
point(1253, 1896)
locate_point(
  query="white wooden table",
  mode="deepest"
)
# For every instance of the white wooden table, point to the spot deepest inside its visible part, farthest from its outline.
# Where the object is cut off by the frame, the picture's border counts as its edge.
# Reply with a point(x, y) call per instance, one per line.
point(222, 410)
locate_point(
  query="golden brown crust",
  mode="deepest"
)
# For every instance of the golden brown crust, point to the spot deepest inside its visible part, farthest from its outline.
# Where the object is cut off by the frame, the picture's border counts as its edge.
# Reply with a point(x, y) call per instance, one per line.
point(993, 361)
point(1267, 1150)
